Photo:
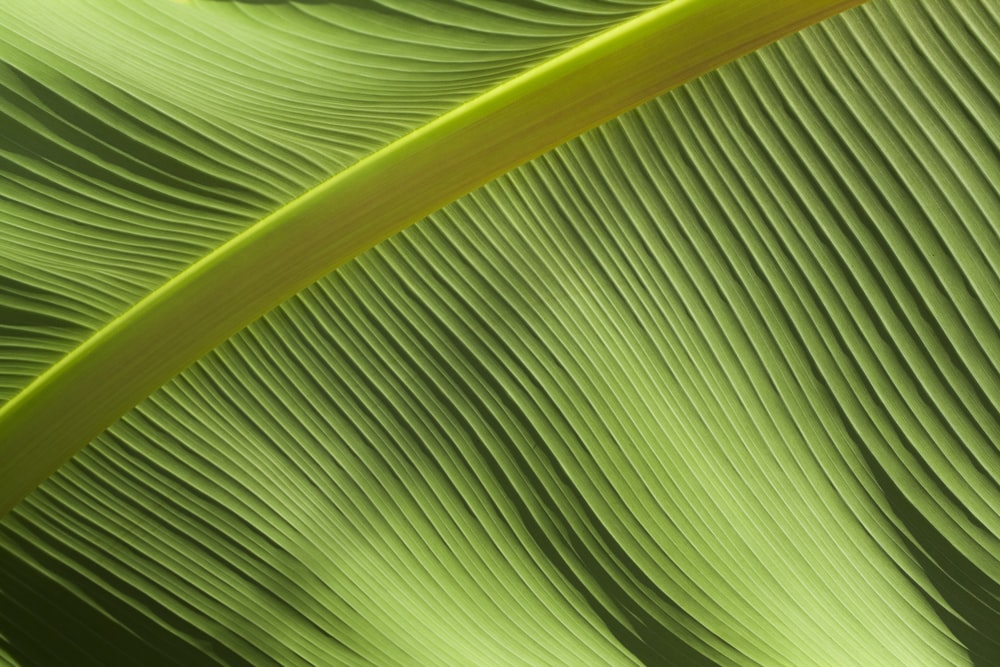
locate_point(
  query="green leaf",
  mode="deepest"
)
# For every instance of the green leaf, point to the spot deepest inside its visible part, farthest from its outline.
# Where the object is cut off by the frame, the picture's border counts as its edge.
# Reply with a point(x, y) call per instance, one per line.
point(294, 244)
point(713, 383)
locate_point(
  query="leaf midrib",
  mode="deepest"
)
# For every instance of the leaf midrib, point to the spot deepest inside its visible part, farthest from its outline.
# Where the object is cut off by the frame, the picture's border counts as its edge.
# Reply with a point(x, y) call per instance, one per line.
point(78, 397)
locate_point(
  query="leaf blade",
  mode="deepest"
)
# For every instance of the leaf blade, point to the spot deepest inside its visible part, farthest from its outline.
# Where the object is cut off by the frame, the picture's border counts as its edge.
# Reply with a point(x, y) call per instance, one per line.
point(203, 305)
point(677, 355)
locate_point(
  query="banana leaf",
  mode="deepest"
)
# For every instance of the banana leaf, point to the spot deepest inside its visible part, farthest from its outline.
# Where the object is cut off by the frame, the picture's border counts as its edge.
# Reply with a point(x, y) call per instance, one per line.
point(714, 383)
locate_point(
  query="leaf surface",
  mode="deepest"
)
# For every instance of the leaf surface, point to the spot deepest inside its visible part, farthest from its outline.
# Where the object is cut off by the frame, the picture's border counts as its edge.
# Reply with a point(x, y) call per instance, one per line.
point(713, 384)
point(295, 243)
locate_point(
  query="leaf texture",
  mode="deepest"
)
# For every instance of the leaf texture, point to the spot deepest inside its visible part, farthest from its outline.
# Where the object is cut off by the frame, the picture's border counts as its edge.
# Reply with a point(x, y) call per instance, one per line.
point(713, 384)
point(81, 395)
point(121, 171)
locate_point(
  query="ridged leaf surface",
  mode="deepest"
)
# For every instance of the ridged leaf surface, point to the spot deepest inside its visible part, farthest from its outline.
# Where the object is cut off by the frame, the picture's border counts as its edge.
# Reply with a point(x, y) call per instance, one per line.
point(715, 383)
